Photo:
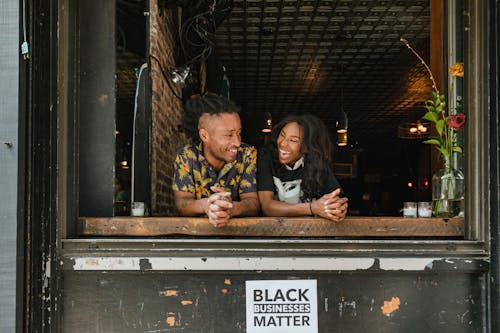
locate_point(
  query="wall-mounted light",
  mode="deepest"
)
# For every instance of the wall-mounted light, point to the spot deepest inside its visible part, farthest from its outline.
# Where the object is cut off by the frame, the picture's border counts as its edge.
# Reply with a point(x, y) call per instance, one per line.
point(268, 123)
point(179, 75)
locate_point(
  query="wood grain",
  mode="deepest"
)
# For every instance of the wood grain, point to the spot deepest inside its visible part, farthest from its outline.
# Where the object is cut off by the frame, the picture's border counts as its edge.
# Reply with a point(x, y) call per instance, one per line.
point(272, 227)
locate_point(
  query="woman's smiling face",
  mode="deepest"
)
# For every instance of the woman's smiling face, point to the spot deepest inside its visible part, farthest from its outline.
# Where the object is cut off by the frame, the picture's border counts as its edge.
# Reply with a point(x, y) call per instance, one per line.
point(289, 142)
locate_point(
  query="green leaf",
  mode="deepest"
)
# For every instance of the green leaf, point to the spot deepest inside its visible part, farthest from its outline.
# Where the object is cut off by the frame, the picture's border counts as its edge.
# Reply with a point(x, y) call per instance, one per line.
point(431, 116)
point(457, 149)
point(432, 142)
point(440, 126)
point(429, 102)
point(430, 108)
point(442, 151)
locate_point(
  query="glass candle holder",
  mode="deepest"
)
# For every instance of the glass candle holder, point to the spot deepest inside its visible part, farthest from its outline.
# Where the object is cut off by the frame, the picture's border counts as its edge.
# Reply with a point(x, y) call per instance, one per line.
point(424, 209)
point(137, 209)
point(409, 209)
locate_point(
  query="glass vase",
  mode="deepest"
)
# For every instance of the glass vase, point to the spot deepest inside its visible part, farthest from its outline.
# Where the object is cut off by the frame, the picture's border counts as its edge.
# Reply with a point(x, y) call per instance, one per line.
point(448, 192)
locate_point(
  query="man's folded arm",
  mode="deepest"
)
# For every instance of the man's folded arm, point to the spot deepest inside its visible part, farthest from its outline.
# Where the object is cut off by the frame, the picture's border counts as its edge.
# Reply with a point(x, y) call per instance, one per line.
point(187, 205)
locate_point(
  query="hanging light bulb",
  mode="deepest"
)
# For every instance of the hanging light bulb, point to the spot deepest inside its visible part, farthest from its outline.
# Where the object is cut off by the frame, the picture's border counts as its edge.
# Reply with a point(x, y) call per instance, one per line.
point(342, 125)
point(268, 125)
point(343, 121)
point(421, 127)
point(342, 139)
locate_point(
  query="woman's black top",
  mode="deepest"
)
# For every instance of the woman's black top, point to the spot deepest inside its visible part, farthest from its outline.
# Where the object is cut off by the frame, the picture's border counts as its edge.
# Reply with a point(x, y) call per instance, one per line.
point(284, 180)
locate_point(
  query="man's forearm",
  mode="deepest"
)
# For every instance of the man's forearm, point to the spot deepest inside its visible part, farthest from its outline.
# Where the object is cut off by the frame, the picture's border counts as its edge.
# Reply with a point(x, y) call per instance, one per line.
point(246, 207)
point(191, 207)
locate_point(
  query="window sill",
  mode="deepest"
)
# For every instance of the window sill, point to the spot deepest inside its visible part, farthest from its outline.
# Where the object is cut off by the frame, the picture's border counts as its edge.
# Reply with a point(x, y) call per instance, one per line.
point(379, 227)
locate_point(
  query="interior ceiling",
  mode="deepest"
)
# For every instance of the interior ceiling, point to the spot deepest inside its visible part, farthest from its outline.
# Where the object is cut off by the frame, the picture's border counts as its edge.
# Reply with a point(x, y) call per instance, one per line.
point(284, 56)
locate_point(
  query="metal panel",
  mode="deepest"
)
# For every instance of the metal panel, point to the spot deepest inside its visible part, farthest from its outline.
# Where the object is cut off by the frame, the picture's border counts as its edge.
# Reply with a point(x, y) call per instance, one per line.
point(97, 108)
point(9, 79)
point(435, 300)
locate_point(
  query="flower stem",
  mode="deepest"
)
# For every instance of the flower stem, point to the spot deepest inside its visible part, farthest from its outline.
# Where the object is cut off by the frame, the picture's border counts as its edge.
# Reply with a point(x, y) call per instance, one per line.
point(434, 85)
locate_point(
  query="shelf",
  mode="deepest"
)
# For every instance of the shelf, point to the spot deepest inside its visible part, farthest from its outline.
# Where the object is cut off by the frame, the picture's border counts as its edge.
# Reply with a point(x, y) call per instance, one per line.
point(272, 227)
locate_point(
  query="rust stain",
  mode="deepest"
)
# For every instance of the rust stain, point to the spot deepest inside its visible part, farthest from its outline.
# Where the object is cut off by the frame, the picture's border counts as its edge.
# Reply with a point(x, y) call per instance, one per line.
point(186, 302)
point(390, 306)
point(170, 319)
point(227, 281)
point(171, 292)
point(224, 291)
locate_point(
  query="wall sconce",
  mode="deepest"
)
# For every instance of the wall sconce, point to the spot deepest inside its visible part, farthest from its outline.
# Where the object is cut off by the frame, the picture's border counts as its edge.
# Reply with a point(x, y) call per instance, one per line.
point(268, 125)
point(179, 75)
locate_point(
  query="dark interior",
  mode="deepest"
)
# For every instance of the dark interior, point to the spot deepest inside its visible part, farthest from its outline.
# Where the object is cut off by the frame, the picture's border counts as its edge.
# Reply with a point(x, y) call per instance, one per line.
point(319, 57)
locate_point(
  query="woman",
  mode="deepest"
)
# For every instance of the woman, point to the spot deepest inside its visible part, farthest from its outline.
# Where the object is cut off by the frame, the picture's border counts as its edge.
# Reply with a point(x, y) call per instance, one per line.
point(294, 175)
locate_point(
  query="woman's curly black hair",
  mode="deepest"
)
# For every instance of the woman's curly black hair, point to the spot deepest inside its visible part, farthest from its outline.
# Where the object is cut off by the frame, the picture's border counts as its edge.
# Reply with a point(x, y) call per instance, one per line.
point(316, 147)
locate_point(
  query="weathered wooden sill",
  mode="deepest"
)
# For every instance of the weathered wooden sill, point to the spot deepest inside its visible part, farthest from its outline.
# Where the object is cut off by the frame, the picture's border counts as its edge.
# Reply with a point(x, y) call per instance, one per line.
point(272, 227)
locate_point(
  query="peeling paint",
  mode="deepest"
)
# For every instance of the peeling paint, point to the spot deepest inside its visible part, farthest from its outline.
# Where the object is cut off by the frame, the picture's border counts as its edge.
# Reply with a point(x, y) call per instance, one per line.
point(186, 302)
point(170, 292)
point(47, 268)
point(256, 264)
point(347, 307)
point(412, 264)
point(144, 264)
point(390, 306)
point(224, 291)
point(92, 262)
point(227, 281)
point(170, 319)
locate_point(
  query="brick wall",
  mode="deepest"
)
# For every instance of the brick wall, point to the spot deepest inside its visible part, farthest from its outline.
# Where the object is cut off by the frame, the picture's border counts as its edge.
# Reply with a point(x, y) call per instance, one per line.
point(166, 110)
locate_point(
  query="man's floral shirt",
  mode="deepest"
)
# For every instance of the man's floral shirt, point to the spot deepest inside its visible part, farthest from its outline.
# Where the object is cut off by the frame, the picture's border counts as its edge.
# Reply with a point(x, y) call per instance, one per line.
point(193, 174)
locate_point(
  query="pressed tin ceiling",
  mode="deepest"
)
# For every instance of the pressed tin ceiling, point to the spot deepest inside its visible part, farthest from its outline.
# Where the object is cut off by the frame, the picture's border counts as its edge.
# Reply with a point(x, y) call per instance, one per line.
point(287, 56)
point(284, 56)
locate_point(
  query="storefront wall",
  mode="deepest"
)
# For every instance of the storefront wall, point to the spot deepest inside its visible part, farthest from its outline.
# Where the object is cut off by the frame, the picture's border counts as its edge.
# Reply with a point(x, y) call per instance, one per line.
point(353, 295)
point(9, 150)
point(141, 285)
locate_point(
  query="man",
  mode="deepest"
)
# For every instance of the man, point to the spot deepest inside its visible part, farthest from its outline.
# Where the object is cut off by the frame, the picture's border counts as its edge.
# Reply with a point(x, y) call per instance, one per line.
point(217, 176)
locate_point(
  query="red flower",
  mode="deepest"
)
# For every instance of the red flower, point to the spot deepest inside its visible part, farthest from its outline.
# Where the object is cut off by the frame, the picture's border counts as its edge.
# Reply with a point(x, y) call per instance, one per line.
point(456, 122)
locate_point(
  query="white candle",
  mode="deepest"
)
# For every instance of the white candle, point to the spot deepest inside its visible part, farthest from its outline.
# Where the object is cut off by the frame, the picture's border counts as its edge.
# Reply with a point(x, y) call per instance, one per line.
point(409, 209)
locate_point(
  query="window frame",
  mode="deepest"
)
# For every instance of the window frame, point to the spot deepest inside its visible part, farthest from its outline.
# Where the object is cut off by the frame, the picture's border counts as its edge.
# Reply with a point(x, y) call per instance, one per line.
point(474, 244)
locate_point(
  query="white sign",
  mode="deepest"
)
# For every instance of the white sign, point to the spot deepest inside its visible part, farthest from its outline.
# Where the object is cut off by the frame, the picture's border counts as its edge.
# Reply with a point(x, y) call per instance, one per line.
point(282, 306)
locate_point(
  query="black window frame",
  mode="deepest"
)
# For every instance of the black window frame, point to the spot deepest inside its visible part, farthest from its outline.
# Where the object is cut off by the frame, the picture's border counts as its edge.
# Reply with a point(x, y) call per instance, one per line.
point(477, 170)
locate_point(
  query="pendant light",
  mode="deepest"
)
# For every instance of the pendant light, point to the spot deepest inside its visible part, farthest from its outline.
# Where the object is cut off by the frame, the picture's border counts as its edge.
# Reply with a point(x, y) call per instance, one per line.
point(343, 121)
point(268, 123)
